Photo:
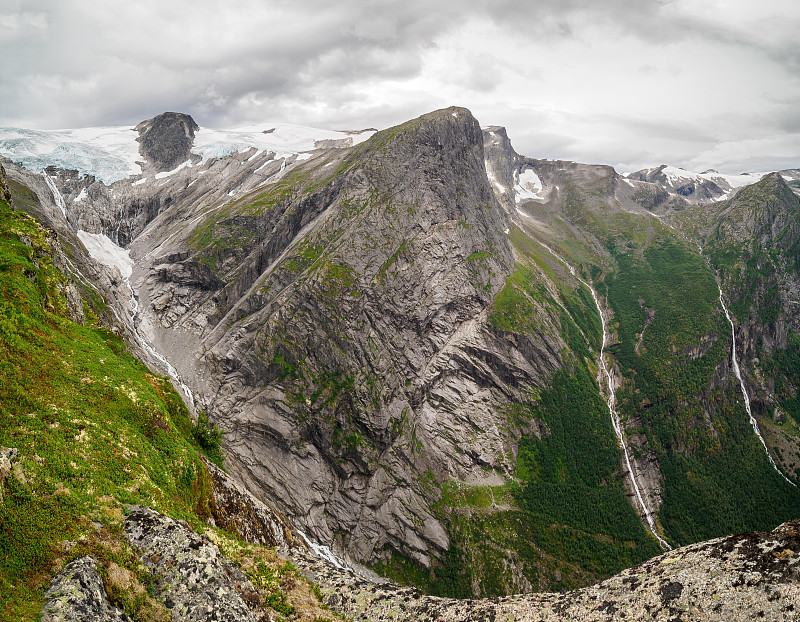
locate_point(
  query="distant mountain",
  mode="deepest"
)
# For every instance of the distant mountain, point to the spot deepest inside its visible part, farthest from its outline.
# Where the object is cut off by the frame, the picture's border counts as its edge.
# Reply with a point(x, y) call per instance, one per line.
point(694, 187)
point(792, 178)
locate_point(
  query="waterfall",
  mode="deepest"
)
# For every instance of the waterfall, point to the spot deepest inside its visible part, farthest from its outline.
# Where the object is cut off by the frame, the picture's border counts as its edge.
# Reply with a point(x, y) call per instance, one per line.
point(738, 373)
point(56, 194)
point(611, 402)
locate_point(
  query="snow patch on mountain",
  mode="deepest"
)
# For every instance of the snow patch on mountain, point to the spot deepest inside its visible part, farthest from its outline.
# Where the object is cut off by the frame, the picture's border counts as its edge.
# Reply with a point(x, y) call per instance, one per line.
point(83, 194)
point(734, 181)
point(283, 139)
point(173, 171)
point(527, 185)
point(490, 175)
point(679, 176)
point(104, 251)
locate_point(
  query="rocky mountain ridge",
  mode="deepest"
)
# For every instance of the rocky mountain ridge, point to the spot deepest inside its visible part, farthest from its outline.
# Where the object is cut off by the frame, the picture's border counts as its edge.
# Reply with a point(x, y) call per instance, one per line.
point(436, 314)
point(391, 333)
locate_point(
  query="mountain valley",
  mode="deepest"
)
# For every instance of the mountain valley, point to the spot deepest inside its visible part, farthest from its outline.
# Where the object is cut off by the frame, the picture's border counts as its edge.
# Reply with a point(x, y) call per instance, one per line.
point(430, 359)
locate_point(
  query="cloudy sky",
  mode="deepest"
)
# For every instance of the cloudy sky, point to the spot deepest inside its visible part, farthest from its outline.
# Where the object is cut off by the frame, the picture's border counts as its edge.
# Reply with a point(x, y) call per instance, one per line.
point(696, 83)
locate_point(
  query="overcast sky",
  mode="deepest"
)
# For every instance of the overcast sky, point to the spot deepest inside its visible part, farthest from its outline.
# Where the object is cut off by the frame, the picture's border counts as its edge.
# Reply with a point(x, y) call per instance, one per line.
point(634, 83)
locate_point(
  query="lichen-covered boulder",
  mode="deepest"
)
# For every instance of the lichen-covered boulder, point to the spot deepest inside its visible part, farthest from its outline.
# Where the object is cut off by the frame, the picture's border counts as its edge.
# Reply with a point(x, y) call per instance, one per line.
point(77, 594)
point(194, 581)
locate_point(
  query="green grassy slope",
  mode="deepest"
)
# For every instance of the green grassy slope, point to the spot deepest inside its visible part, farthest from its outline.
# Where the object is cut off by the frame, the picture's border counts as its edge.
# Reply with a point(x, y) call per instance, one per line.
point(95, 431)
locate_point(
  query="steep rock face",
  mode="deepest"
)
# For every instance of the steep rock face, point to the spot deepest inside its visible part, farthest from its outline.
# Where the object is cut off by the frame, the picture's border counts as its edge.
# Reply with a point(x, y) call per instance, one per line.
point(5, 193)
point(166, 140)
point(349, 348)
point(765, 213)
point(763, 221)
point(502, 164)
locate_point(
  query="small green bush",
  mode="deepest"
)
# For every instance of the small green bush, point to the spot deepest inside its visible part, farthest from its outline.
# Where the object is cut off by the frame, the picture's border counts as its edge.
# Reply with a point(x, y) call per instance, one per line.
point(208, 438)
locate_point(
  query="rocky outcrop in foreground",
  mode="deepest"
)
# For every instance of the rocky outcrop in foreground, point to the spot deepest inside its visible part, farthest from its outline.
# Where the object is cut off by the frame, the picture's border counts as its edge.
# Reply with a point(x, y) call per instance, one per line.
point(743, 577)
point(750, 576)
point(193, 579)
point(77, 594)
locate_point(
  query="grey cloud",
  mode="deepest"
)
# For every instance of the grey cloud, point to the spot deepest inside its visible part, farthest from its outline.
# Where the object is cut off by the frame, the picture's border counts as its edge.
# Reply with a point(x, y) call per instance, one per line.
point(281, 52)
point(656, 22)
point(75, 63)
point(696, 134)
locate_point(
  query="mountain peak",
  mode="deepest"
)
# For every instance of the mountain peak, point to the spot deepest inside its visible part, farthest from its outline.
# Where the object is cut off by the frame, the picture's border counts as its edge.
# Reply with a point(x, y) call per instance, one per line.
point(770, 185)
point(428, 142)
point(166, 140)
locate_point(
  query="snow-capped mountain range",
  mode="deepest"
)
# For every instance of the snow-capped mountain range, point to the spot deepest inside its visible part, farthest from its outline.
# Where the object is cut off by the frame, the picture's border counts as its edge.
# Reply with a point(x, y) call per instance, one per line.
point(106, 156)
point(709, 185)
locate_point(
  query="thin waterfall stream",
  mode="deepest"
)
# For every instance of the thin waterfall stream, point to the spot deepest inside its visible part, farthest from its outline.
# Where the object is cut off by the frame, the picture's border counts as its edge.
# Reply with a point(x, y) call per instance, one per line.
point(171, 371)
point(56, 194)
point(103, 250)
point(611, 402)
point(738, 373)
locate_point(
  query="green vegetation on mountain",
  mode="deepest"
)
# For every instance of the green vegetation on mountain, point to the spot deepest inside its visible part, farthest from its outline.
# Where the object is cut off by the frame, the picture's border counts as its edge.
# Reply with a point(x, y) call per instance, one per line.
point(717, 478)
point(784, 366)
point(514, 308)
point(95, 431)
point(678, 392)
point(572, 475)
